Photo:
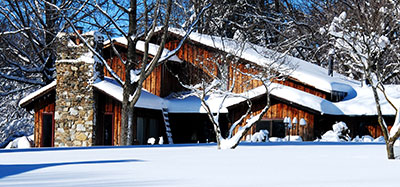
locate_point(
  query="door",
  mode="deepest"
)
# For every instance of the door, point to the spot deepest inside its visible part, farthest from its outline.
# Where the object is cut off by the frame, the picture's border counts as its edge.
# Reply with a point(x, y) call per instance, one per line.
point(108, 129)
point(47, 130)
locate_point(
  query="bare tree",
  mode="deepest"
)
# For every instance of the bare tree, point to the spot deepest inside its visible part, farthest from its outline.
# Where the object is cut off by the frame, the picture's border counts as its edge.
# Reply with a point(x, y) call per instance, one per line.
point(364, 37)
point(225, 77)
point(27, 53)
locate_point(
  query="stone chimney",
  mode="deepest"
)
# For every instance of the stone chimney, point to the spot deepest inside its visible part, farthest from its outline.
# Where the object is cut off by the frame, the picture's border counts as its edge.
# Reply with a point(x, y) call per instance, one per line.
point(74, 110)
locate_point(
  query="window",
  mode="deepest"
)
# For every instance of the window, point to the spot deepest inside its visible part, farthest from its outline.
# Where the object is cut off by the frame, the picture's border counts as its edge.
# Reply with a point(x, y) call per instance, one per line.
point(275, 127)
point(47, 130)
point(337, 96)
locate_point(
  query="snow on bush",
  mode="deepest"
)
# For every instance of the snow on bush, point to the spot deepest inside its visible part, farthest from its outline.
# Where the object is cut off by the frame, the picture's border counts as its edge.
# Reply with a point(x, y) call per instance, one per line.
point(368, 138)
point(285, 139)
point(151, 141)
point(260, 136)
point(21, 142)
point(380, 139)
point(340, 133)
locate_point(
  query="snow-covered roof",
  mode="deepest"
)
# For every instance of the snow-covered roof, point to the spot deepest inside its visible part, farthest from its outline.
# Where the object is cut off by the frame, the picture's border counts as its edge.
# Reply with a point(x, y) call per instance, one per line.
point(32, 96)
point(146, 100)
point(183, 104)
point(358, 103)
point(192, 104)
point(305, 72)
point(140, 46)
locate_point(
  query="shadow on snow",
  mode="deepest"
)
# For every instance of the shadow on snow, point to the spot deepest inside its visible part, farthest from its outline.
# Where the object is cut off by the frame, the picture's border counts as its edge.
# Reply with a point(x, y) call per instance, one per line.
point(15, 169)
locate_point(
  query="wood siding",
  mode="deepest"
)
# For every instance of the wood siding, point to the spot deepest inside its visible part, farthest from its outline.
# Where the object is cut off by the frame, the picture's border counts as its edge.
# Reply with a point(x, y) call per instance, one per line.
point(160, 82)
point(46, 104)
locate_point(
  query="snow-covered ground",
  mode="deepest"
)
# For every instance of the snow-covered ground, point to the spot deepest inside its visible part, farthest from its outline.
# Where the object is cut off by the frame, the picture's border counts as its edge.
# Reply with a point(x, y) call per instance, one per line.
point(263, 164)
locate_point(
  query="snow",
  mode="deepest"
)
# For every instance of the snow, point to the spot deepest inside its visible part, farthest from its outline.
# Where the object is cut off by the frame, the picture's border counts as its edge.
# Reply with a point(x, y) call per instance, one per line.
point(383, 41)
point(21, 142)
point(260, 136)
point(192, 104)
point(153, 48)
point(263, 164)
point(359, 102)
point(146, 100)
point(396, 124)
point(303, 71)
point(339, 133)
point(151, 141)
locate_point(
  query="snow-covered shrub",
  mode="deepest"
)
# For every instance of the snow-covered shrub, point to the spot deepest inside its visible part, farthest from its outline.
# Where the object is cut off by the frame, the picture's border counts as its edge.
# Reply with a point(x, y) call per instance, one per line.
point(368, 138)
point(151, 141)
point(21, 142)
point(340, 133)
point(260, 136)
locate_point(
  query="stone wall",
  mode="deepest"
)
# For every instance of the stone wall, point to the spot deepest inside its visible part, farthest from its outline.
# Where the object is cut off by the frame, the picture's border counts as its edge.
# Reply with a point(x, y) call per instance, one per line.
point(74, 110)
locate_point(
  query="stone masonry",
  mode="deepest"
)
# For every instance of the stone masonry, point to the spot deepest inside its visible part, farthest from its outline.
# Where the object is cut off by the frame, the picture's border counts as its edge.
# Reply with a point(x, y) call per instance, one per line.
point(74, 109)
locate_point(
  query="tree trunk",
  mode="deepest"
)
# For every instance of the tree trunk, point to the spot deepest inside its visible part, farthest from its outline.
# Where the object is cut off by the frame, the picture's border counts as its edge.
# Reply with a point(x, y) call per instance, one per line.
point(127, 110)
point(390, 149)
point(50, 30)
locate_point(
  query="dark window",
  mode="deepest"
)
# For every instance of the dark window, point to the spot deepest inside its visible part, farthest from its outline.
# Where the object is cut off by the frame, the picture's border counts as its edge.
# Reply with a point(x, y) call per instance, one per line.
point(47, 129)
point(108, 124)
point(337, 96)
point(276, 128)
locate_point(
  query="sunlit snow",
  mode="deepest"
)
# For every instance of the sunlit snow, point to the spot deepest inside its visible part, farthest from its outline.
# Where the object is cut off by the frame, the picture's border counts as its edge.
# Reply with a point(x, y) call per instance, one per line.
point(262, 164)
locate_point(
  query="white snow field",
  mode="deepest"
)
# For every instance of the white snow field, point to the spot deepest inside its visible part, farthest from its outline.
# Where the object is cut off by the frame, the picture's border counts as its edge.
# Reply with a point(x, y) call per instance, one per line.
point(263, 164)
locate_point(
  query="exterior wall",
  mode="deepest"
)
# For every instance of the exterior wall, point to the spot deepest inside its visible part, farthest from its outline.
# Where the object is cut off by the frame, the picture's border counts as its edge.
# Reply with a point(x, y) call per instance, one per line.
point(74, 109)
point(160, 82)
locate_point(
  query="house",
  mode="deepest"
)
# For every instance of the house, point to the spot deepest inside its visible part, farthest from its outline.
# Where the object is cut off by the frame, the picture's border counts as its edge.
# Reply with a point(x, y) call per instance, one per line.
point(83, 106)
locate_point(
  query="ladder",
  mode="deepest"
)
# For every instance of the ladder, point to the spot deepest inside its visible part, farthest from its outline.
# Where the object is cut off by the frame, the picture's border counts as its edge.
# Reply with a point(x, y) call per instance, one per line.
point(167, 126)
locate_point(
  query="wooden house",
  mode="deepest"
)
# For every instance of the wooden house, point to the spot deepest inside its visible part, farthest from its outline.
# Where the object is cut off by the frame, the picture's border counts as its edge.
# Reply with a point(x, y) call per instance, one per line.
point(76, 110)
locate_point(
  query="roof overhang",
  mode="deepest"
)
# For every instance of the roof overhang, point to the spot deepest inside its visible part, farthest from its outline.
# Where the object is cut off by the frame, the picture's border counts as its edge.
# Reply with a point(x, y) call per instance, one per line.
point(24, 102)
